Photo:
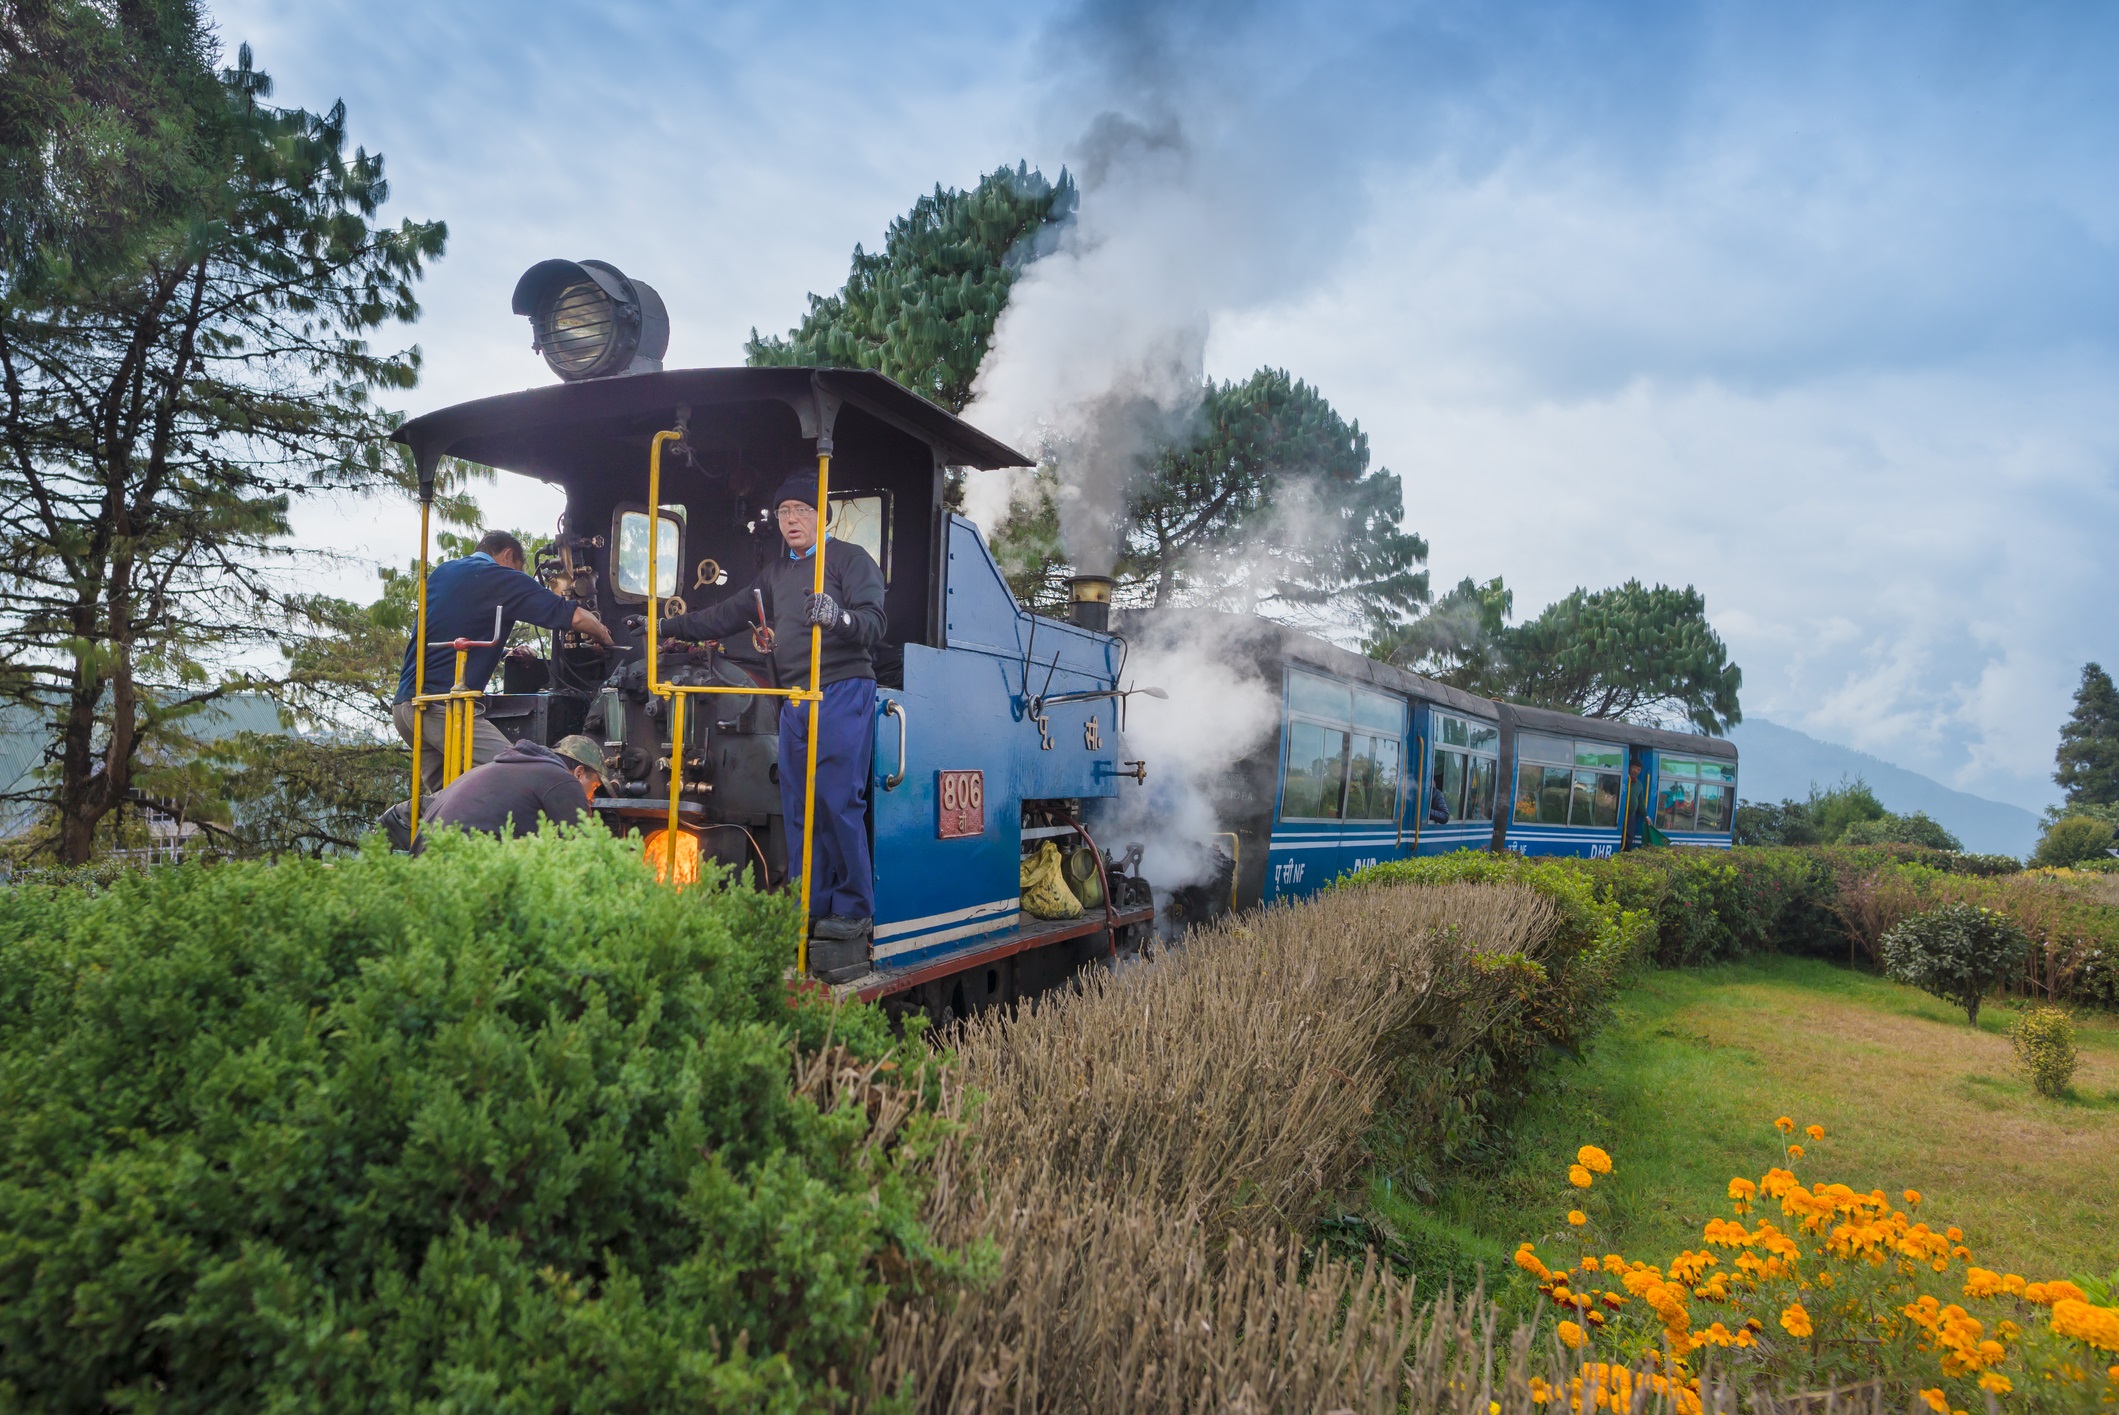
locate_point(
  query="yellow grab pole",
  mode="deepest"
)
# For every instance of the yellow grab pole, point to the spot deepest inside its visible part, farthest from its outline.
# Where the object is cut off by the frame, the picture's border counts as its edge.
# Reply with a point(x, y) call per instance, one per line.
point(669, 836)
point(419, 668)
point(816, 712)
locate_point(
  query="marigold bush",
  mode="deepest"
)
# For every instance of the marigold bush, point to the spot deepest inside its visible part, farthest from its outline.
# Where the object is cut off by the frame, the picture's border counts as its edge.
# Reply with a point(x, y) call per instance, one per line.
point(1848, 1288)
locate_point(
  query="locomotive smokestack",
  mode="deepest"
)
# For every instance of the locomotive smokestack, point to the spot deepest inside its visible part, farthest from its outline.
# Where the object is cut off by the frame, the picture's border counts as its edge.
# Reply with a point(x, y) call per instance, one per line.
point(1089, 601)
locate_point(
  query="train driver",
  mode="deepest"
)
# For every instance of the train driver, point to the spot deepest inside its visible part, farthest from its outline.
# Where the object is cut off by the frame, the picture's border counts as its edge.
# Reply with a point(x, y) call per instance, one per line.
point(850, 611)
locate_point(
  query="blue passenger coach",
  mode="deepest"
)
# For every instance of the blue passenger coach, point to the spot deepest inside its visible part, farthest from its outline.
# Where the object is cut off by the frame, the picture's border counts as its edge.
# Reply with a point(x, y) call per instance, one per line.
point(1361, 748)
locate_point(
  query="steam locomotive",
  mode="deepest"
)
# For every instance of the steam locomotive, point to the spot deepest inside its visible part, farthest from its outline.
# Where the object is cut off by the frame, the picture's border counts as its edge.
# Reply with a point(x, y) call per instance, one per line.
point(998, 730)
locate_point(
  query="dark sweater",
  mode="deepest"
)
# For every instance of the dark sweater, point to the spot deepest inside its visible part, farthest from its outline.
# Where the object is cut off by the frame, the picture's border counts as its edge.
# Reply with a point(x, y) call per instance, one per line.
point(461, 596)
point(850, 577)
point(509, 793)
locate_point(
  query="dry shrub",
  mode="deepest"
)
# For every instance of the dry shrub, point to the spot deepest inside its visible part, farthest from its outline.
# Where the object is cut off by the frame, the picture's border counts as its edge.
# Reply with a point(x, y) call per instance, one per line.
point(1142, 1155)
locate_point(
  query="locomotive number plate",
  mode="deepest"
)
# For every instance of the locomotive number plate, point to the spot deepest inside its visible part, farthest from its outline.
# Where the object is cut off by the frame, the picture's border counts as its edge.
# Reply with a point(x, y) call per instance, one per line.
point(960, 801)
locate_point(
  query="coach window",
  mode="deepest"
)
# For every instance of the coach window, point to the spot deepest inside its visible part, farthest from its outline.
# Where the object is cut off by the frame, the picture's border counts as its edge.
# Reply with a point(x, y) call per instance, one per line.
point(1693, 795)
point(1677, 793)
point(1563, 781)
point(1343, 752)
point(1467, 760)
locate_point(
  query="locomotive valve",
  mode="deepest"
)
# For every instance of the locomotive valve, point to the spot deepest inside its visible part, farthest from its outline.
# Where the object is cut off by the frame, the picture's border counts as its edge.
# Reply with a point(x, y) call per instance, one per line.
point(1139, 772)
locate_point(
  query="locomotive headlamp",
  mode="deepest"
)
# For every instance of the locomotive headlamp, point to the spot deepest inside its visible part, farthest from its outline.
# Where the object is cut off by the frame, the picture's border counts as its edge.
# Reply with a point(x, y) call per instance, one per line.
point(590, 321)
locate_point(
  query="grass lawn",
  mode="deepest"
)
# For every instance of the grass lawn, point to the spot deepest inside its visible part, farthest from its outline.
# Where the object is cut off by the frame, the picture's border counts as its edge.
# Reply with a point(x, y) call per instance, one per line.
point(1684, 1085)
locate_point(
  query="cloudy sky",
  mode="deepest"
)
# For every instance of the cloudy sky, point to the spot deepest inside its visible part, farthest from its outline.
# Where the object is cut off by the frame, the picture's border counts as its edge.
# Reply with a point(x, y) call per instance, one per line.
point(1812, 306)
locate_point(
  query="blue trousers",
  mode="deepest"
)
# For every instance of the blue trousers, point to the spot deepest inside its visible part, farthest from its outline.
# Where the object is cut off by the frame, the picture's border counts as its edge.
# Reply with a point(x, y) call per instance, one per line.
point(842, 876)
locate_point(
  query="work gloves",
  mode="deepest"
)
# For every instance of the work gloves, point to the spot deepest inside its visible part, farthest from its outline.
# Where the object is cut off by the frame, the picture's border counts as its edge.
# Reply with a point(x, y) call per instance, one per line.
point(824, 612)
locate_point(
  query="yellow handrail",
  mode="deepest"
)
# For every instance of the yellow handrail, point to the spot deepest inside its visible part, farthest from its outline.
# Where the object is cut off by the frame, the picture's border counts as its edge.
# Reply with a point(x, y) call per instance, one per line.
point(419, 670)
point(812, 695)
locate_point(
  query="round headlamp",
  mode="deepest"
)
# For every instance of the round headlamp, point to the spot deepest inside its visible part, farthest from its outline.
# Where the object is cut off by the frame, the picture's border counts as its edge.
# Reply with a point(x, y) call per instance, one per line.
point(590, 321)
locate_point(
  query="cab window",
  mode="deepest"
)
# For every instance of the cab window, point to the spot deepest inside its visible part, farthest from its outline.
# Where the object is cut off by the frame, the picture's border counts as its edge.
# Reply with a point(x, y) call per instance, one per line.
point(629, 559)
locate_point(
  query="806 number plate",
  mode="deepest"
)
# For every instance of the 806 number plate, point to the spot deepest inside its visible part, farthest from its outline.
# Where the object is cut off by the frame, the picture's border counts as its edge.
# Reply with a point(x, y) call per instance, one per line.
point(960, 804)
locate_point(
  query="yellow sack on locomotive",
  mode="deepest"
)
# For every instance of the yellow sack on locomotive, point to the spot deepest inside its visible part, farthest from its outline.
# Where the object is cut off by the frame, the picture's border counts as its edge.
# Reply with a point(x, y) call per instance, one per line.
point(1045, 892)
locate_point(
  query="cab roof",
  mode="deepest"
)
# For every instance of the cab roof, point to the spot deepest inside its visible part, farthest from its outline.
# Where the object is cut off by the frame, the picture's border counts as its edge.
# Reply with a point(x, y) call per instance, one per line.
point(518, 431)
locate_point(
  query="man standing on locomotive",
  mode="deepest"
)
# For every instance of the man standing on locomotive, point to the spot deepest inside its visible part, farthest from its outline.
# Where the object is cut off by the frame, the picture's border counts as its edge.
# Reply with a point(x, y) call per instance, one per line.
point(850, 611)
point(462, 596)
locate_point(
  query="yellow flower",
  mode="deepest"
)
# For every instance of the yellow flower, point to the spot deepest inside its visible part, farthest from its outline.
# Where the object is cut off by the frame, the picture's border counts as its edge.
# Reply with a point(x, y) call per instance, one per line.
point(1997, 1383)
point(1573, 1335)
point(1784, 1125)
point(1936, 1401)
point(1577, 1217)
point(1795, 1151)
point(1593, 1159)
point(1578, 1176)
point(1493, 1407)
point(1815, 1132)
point(1540, 1393)
point(1795, 1321)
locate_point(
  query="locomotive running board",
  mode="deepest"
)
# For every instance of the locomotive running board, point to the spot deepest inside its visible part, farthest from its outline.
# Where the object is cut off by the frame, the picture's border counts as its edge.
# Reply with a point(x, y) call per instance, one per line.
point(1040, 933)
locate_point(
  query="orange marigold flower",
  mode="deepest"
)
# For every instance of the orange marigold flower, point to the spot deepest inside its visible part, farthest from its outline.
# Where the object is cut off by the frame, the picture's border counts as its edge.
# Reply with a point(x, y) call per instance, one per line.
point(1937, 1402)
point(2099, 1326)
point(1593, 1159)
point(1540, 1393)
point(1578, 1175)
point(1796, 1151)
point(1741, 1188)
point(1577, 1217)
point(1997, 1383)
point(1912, 1197)
point(1815, 1132)
point(1573, 1335)
point(2046, 1294)
point(1979, 1282)
point(1784, 1125)
point(1954, 1233)
point(1795, 1321)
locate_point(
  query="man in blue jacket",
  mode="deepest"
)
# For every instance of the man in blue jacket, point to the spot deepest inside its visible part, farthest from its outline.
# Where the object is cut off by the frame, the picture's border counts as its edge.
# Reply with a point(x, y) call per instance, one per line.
point(850, 611)
point(461, 597)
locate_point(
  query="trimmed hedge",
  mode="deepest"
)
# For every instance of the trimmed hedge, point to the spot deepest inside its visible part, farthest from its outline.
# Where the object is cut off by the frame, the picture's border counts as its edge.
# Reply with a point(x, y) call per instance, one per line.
point(1699, 907)
point(508, 1126)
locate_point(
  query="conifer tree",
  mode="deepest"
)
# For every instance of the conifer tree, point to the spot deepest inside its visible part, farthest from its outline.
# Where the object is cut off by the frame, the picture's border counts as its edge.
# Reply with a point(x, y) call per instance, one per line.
point(190, 274)
point(2088, 758)
point(922, 309)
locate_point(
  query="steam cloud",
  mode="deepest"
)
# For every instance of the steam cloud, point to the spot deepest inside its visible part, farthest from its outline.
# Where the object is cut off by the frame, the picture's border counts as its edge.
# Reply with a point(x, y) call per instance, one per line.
point(1203, 195)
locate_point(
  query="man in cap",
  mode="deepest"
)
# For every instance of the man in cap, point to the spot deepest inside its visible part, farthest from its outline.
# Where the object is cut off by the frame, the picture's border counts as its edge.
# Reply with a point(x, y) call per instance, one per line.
point(462, 597)
point(850, 612)
point(509, 794)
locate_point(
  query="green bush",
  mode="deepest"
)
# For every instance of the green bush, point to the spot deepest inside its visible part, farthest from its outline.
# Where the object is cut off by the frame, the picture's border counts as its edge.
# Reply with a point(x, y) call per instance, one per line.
point(1710, 906)
point(1564, 997)
point(508, 1126)
point(1916, 829)
point(2073, 841)
point(2044, 1042)
point(1958, 953)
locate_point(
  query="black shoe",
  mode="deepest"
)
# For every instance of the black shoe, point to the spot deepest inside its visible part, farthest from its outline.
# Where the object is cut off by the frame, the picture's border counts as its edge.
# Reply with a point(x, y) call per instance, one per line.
point(842, 926)
point(839, 960)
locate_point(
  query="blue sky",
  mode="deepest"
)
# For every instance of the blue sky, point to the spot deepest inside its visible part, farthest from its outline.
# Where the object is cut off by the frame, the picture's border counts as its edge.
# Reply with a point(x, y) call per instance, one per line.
point(1815, 307)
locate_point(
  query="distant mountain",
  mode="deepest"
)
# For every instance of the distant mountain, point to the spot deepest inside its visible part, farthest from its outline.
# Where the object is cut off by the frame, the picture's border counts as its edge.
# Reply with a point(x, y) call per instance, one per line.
point(1779, 762)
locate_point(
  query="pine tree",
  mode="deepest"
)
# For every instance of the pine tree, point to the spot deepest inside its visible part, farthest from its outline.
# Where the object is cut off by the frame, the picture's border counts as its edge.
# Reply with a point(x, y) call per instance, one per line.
point(190, 275)
point(1272, 506)
point(922, 309)
point(2088, 758)
point(1631, 653)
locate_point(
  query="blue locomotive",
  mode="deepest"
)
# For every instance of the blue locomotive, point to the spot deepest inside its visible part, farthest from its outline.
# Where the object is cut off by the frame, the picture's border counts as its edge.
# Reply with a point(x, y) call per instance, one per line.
point(998, 731)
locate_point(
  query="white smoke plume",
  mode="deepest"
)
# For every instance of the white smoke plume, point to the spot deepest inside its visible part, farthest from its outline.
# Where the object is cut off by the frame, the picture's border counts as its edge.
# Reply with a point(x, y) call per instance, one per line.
point(1202, 195)
point(1219, 712)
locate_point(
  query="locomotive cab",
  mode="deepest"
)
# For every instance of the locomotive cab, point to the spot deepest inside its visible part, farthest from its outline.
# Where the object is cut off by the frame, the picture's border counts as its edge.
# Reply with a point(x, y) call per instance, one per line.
point(986, 716)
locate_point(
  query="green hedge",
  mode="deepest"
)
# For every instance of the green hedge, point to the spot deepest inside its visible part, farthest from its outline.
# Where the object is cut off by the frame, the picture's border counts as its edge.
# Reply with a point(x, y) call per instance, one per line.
point(1564, 996)
point(1708, 906)
point(508, 1126)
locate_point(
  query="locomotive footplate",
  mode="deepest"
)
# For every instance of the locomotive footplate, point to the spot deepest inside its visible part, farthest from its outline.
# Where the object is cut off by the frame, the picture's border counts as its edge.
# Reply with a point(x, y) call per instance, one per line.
point(1037, 933)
